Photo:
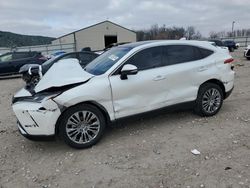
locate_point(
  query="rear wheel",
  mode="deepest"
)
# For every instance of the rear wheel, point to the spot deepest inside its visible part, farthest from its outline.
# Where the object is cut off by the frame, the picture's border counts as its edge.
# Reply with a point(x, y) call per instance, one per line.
point(82, 126)
point(209, 100)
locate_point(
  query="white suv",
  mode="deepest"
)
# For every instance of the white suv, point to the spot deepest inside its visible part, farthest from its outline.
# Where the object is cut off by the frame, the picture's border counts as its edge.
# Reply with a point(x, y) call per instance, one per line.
point(127, 80)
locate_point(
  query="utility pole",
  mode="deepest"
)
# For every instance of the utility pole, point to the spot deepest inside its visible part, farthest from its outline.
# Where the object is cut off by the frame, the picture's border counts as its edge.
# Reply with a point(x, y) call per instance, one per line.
point(233, 28)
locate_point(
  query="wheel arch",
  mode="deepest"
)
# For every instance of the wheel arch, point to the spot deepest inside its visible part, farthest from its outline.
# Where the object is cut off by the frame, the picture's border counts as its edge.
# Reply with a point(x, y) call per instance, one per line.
point(217, 82)
point(94, 103)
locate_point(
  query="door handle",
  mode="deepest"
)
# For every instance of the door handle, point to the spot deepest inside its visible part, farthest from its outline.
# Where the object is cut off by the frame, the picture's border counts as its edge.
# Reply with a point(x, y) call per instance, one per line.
point(159, 77)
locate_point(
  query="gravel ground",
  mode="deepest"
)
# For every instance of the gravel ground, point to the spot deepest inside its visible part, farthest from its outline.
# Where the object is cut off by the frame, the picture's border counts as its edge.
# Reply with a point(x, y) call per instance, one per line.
point(150, 152)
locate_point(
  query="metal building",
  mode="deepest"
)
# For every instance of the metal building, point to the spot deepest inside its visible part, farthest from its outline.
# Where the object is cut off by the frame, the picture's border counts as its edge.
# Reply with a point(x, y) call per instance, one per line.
point(97, 36)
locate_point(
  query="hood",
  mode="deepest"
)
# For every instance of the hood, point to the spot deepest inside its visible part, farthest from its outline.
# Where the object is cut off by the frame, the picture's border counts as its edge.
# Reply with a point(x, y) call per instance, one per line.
point(62, 73)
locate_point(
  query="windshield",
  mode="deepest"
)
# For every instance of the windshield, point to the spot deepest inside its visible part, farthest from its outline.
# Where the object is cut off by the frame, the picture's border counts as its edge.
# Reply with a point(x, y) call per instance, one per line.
point(105, 61)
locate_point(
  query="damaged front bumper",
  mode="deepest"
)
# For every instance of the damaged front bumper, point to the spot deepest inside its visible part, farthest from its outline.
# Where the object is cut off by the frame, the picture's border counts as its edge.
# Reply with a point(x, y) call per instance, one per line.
point(36, 118)
point(34, 137)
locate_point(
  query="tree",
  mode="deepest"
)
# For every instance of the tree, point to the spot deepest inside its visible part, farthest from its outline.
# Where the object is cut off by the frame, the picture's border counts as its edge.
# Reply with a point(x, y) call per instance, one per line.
point(213, 35)
point(190, 32)
point(161, 32)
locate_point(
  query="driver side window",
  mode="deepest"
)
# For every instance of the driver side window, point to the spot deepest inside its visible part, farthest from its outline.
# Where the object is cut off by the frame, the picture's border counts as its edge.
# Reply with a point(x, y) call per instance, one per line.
point(147, 59)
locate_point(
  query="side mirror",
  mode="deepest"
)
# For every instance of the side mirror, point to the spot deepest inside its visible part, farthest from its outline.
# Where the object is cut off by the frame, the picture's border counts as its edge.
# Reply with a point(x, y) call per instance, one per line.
point(128, 69)
point(36, 70)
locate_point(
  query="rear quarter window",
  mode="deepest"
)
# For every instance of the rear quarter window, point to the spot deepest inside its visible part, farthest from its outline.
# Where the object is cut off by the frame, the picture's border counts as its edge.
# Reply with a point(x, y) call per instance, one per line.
point(205, 52)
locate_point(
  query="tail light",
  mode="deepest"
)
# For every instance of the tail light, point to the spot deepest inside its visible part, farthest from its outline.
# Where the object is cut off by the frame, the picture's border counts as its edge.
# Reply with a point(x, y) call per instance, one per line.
point(230, 60)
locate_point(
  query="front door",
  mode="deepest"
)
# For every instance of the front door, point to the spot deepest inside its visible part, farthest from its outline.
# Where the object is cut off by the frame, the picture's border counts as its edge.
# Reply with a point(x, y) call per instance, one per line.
point(144, 91)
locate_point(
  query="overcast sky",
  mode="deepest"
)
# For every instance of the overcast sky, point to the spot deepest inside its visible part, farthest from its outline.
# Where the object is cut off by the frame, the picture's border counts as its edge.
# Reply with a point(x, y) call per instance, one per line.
point(58, 17)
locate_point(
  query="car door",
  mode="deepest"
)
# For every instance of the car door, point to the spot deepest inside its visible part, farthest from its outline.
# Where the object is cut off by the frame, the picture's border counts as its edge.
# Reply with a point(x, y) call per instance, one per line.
point(19, 59)
point(184, 69)
point(5, 64)
point(145, 90)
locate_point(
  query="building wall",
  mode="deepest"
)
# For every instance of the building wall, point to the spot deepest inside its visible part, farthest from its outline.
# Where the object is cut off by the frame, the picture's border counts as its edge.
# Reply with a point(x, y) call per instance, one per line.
point(94, 36)
point(64, 40)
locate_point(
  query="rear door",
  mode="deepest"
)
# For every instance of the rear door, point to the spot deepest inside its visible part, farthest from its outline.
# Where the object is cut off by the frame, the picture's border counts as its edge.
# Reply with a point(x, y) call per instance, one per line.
point(185, 68)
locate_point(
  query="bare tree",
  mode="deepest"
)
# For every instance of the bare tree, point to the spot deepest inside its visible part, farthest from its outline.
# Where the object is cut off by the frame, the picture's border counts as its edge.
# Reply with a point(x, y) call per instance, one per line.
point(162, 32)
point(190, 31)
point(213, 35)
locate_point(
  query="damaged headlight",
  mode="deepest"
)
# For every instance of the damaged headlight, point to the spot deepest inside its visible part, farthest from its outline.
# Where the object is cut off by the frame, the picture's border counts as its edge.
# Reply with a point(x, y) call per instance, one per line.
point(45, 96)
point(40, 97)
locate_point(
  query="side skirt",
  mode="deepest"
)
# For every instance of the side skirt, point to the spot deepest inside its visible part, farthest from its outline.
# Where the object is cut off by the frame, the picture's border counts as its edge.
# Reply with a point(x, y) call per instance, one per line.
point(173, 108)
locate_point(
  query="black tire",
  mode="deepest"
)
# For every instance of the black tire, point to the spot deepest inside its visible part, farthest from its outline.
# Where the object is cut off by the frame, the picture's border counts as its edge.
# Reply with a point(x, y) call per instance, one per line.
point(64, 125)
point(248, 58)
point(201, 100)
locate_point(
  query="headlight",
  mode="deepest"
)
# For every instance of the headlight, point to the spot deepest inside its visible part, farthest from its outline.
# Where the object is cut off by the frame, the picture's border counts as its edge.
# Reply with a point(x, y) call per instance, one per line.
point(40, 97)
point(45, 96)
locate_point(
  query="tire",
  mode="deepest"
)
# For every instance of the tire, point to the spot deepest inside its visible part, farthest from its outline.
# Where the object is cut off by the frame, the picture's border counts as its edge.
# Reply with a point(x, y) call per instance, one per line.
point(248, 58)
point(209, 99)
point(231, 49)
point(82, 126)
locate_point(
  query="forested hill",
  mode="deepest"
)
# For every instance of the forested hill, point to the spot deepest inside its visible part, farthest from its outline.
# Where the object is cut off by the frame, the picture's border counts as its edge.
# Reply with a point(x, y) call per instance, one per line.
point(8, 39)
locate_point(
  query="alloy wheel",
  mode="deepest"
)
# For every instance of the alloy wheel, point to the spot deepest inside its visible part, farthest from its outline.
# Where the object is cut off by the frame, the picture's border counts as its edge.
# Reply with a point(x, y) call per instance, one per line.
point(211, 100)
point(82, 127)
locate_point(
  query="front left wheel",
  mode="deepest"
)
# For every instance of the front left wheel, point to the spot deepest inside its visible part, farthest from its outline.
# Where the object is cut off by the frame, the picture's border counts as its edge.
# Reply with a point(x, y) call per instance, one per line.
point(82, 126)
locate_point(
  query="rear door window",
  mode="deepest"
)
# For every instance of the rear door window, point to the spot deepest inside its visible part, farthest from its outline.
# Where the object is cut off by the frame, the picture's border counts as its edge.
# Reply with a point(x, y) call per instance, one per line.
point(175, 54)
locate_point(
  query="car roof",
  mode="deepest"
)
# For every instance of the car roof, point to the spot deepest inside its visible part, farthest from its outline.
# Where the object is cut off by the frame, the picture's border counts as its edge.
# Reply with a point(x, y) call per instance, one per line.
point(135, 44)
point(152, 43)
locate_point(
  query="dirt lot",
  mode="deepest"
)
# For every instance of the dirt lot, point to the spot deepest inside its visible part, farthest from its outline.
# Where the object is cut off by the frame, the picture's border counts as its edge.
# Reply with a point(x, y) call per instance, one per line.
point(149, 152)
